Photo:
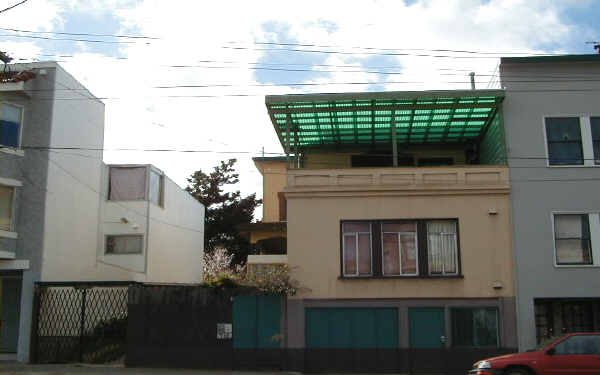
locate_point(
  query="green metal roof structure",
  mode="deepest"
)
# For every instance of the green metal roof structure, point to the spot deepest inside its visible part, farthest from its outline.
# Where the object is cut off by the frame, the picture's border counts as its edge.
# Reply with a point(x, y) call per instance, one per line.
point(345, 121)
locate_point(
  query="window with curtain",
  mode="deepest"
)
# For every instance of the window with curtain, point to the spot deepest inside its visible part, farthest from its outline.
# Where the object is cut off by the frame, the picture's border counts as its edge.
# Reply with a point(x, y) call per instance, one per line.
point(399, 243)
point(6, 207)
point(563, 135)
point(155, 191)
point(595, 123)
point(442, 247)
point(124, 244)
point(10, 124)
point(572, 239)
point(127, 183)
point(357, 254)
point(475, 327)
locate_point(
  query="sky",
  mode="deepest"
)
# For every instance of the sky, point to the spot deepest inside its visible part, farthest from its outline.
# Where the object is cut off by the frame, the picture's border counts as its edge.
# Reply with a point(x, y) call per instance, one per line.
point(258, 48)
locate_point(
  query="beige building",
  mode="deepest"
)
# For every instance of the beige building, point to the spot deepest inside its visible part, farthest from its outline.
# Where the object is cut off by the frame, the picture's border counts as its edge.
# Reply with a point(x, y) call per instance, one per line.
point(398, 228)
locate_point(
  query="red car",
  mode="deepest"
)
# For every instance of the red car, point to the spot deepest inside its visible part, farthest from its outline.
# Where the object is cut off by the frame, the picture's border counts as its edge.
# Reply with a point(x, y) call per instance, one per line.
point(574, 353)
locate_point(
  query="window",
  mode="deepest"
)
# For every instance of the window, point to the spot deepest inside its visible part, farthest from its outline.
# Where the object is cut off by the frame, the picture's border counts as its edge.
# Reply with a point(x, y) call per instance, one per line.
point(564, 141)
point(595, 125)
point(572, 239)
point(357, 248)
point(11, 117)
point(399, 248)
point(124, 244)
point(6, 207)
point(127, 183)
point(156, 188)
point(442, 248)
point(582, 344)
point(386, 248)
point(475, 326)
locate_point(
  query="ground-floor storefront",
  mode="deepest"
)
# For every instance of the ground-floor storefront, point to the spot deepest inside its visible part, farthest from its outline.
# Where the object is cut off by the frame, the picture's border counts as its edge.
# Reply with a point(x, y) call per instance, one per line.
point(397, 335)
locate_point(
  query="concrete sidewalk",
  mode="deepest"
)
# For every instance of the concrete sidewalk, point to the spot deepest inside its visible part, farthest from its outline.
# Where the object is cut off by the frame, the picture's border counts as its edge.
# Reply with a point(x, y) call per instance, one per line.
point(15, 368)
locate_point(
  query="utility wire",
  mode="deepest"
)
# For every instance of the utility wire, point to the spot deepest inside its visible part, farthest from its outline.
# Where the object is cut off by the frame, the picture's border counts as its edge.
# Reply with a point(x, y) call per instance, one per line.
point(13, 6)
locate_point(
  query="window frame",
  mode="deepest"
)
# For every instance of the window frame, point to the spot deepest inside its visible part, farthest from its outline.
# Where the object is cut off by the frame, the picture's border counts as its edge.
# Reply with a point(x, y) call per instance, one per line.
point(161, 193)
point(596, 158)
point(343, 250)
point(587, 146)
point(498, 326)
point(594, 227)
point(141, 252)
point(10, 149)
point(416, 234)
point(13, 210)
point(457, 257)
point(377, 250)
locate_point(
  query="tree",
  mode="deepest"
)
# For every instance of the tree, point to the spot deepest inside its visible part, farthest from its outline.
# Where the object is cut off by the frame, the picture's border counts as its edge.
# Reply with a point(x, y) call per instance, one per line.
point(224, 210)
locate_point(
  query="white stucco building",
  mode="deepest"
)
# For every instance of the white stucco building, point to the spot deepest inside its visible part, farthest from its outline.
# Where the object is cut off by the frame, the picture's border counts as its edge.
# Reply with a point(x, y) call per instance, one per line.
point(67, 216)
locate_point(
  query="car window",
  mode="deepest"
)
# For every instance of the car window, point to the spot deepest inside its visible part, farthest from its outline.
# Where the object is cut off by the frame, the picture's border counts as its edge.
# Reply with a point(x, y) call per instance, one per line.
point(584, 344)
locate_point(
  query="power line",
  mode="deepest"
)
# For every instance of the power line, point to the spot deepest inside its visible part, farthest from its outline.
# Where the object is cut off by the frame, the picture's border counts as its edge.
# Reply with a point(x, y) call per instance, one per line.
point(13, 6)
point(81, 34)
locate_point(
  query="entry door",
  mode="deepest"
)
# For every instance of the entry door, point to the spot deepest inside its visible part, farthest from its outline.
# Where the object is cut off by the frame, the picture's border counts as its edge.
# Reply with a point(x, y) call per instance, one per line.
point(10, 307)
point(427, 327)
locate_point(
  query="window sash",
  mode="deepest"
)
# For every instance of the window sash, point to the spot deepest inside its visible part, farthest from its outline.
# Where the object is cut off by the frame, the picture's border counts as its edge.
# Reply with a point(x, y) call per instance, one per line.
point(391, 271)
point(356, 262)
point(595, 126)
point(442, 249)
point(7, 195)
point(572, 245)
point(124, 244)
point(564, 141)
point(475, 327)
point(11, 120)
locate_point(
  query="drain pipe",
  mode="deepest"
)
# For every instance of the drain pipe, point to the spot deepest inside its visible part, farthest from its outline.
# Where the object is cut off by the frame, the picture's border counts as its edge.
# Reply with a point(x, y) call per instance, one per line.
point(472, 74)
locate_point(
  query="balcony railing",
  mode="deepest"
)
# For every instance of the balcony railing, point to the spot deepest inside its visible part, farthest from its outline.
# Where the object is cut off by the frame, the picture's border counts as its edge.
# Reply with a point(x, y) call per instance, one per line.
point(427, 178)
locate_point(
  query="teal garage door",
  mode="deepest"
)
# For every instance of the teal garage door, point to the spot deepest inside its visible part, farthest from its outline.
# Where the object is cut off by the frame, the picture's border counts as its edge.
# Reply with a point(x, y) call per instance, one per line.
point(351, 328)
point(257, 322)
point(427, 327)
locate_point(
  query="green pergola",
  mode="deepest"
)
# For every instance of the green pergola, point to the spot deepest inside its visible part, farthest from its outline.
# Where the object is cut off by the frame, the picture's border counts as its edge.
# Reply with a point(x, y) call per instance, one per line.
point(357, 120)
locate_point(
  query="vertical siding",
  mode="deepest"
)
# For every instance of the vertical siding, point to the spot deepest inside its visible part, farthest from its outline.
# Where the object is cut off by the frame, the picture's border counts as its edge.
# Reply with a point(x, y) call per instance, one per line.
point(493, 146)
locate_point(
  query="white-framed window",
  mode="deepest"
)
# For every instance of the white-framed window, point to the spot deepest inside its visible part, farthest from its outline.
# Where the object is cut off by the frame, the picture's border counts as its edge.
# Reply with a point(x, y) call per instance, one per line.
point(127, 183)
point(575, 242)
point(400, 250)
point(442, 247)
point(356, 245)
point(11, 123)
point(124, 244)
point(7, 199)
point(572, 140)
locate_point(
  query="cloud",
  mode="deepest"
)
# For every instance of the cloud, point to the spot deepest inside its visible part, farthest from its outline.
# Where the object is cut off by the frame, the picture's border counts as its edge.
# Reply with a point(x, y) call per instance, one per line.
point(200, 35)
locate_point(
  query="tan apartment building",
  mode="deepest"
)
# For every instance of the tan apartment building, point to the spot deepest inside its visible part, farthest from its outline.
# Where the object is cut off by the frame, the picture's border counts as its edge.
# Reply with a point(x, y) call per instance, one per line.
point(398, 228)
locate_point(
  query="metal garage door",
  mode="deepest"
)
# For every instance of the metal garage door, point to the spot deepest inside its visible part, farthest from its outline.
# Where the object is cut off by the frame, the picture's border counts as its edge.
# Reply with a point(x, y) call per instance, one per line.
point(352, 339)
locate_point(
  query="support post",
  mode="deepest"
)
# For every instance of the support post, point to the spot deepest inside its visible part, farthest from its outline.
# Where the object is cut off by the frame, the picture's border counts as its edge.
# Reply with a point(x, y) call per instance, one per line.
point(394, 141)
point(472, 75)
point(82, 324)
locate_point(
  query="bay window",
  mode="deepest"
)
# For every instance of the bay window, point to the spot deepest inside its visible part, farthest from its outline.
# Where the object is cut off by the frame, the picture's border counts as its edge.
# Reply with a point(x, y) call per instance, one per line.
point(400, 248)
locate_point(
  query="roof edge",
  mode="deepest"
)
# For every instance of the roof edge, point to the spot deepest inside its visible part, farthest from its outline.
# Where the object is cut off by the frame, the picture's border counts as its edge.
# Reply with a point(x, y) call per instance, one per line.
point(550, 59)
point(278, 99)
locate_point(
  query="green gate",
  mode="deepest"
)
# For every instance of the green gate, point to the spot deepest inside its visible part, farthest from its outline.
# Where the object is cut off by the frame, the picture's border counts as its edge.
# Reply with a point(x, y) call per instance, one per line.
point(257, 322)
point(351, 328)
point(427, 327)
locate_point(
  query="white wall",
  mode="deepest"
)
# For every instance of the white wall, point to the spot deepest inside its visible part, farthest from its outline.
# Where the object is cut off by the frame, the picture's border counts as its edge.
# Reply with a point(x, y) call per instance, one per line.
point(176, 237)
point(72, 204)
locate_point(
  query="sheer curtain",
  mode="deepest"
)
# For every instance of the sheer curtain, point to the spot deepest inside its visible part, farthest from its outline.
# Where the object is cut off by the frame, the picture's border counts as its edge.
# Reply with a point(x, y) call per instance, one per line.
point(127, 183)
point(442, 247)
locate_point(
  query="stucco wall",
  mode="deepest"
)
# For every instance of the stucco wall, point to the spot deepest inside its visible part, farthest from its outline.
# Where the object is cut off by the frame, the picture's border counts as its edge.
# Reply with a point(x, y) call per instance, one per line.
point(71, 217)
point(538, 190)
point(274, 180)
point(485, 243)
point(176, 237)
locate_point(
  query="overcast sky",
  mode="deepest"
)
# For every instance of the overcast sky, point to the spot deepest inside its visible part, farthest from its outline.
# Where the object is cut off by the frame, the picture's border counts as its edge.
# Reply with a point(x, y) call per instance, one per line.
point(250, 43)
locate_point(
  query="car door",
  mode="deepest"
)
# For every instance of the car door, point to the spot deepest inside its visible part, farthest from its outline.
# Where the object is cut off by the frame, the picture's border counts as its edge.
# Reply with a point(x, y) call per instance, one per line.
point(578, 354)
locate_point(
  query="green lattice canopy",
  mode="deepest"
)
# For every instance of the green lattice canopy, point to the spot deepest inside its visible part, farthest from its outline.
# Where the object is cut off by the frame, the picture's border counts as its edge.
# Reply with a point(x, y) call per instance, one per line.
point(347, 120)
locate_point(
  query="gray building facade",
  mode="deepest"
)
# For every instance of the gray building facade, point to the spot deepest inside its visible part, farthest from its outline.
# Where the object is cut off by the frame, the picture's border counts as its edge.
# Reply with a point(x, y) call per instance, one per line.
point(552, 122)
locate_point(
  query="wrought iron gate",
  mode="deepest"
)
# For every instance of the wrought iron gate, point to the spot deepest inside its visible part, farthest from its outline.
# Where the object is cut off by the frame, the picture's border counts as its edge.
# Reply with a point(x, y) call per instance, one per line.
point(79, 322)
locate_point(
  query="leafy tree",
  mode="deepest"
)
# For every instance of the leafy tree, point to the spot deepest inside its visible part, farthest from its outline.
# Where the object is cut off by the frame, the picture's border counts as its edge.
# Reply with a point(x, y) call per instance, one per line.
point(224, 210)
